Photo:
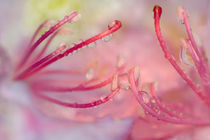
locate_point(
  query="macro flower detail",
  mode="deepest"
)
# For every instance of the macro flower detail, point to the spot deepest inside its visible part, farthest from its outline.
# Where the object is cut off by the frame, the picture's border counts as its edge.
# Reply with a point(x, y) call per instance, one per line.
point(200, 63)
point(124, 82)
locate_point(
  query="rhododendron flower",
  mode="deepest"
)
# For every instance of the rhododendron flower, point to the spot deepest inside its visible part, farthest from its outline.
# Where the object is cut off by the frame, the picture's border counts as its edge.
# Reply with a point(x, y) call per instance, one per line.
point(110, 80)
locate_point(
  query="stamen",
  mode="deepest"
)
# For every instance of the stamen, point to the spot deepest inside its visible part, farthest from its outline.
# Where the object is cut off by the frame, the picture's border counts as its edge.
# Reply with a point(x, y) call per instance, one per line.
point(158, 115)
point(45, 35)
point(37, 65)
point(171, 58)
point(90, 74)
point(115, 82)
point(40, 64)
point(77, 105)
point(157, 11)
point(46, 46)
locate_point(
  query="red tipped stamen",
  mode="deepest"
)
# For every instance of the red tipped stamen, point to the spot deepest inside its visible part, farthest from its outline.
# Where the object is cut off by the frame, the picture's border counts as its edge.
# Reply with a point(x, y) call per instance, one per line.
point(172, 60)
point(202, 67)
point(138, 94)
point(53, 57)
point(41, 53)
point(45, 35)
point(157, 10)
point(77, 105)
point(53, 88)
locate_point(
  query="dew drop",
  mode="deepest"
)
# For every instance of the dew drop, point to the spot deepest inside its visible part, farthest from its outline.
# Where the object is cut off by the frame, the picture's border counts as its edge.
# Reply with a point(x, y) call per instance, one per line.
point(146, 97)
point(72, 45)
point(102, 99)
point(92, 45)
point(90, 74)
point(107, 38)
point(125, 87)
point(120, 61)
point(115, 82)
point(79, 41)
point(76, 18)
point(180, 11)
point(181, 21)
point(152, 101)
point(84, 47)
point(183, 56)
point(136, 73)
point(111, 24)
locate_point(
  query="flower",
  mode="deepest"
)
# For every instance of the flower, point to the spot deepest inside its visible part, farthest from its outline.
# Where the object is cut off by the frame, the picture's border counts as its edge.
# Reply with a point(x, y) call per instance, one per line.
point(128, 68)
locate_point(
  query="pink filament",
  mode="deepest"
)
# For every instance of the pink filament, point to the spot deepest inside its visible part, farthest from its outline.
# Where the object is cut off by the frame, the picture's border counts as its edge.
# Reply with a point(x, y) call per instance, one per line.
point(45, 35)
point(78, 105)
point(55, 56)
point(159, 116)
point(171, 58)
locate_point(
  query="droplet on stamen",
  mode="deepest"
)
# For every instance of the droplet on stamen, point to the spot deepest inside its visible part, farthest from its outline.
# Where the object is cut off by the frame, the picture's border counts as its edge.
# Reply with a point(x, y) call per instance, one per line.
point(90, 74)
point(107, 38)
point(64, 31)
point(120, 61)
point(49, 23)
point(79, 41)
point(62, 47)
point(72, 45)
point(115, 82)
point(76, 18)
point(180, 12)
point(146, 97)
point(92, 45)
point(125, 87)
point(184, 58)
point(111, 24)
point(136, 73)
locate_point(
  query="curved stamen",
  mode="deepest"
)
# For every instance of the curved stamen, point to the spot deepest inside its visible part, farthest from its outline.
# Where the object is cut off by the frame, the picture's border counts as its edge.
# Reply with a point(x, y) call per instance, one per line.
point(46, 34)
point(76, 88)
point(157, 15)
point(138, 95)
point(77, 105)
point(46, 46)
point(42, 64)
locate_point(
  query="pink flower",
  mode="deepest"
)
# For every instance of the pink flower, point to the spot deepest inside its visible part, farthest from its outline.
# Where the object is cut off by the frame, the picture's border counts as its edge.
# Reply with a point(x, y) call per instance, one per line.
point(116, 81)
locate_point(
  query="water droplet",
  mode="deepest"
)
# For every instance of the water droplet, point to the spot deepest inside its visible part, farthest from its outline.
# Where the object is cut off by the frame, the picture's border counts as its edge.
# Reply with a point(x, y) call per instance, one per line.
point(79, 41)
point(111, 24)
point(84, 47)
point(102, 99)
point(136, 73)
point(115, 82)
point(90, 74)
point(107, 38)
point(120, 61)
point(184, 58)
point(152, 101)
point(181, 21)
point(92, 45)
point(146, 97)
point(180, 12)
point(125, 87)
point(72, 45)
point(76, 18)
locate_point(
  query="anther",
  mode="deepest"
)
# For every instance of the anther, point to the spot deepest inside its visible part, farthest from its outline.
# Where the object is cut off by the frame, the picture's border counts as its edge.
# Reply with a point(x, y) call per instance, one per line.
point(157, 11)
